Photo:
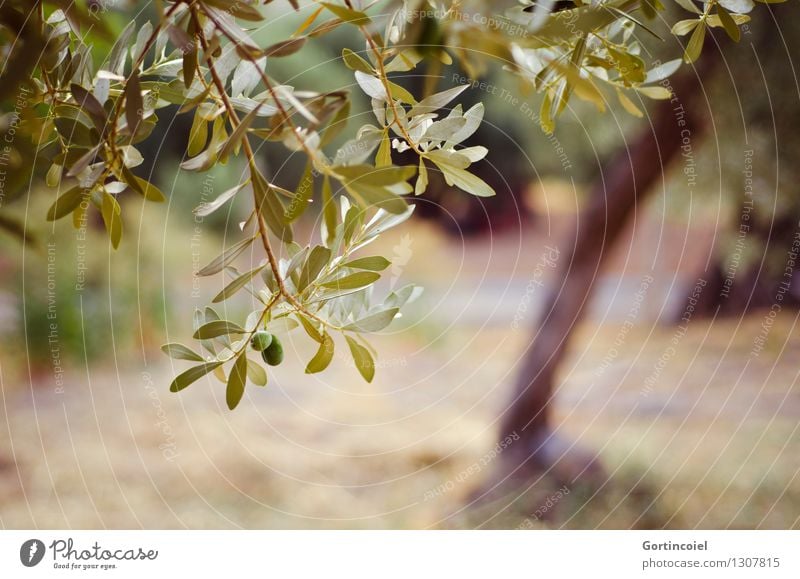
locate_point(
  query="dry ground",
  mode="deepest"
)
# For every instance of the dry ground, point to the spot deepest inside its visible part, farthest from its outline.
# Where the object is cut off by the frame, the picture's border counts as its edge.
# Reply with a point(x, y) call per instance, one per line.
point(702, 435)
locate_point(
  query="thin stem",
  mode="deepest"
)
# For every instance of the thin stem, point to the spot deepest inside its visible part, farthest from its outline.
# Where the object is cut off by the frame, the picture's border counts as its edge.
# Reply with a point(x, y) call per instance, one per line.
point(385, 82)
point(262, 224)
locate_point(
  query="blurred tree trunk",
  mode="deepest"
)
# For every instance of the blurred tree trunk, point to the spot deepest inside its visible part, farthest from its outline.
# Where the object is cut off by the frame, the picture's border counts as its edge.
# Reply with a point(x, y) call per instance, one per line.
point(622, 185)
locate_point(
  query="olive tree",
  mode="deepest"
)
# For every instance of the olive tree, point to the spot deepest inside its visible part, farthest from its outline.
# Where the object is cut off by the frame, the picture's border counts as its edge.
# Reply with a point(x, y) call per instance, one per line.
point(86, 114)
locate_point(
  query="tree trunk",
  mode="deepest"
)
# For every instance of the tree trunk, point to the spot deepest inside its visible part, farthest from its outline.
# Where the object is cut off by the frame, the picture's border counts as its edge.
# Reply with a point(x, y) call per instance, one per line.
point(621, 186)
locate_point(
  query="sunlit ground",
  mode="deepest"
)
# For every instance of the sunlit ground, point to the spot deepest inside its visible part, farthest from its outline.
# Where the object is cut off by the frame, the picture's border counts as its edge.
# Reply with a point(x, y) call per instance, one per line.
point(704, 435)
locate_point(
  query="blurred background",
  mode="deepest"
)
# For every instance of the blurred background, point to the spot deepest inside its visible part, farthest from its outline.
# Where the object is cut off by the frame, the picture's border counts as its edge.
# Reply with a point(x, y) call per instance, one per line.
point(690, 402)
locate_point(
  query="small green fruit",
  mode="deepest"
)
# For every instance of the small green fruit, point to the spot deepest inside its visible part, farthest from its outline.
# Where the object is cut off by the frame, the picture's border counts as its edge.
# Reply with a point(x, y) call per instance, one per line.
point(261, 341)
point(273, 355)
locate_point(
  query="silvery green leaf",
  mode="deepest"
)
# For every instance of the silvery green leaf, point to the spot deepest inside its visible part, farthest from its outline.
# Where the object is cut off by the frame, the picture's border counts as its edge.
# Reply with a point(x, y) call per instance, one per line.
point(282, 325)
point(247, 105)
point(373, 322)
point(236, 285)
point(119, 52)
point(356, 151)
point(141, 39)
point(436, 101)
point(465, 180)
point(474, 154)
point(318, 258)
point(662, 71)
point(372, 263)
point(205, 209)
point(323, 357)
point(217, 328)
point(192, 375)
point(403, 296)
point(362, 358)
point(738, 6)
point(352, 281)
point(166, 68)
point(181, 352)
point(445, 129)
point(474, 117)
point(371, 85)
point(246, 77)
point(449, 157)
point(225, 257)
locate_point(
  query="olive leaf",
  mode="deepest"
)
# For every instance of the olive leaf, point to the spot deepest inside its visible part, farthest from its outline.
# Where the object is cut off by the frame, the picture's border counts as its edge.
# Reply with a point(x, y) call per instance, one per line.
point(362, 358)
point(323, 357)
point(181, 352)
point(236, 381)
point(218, 328)
point(192, 375)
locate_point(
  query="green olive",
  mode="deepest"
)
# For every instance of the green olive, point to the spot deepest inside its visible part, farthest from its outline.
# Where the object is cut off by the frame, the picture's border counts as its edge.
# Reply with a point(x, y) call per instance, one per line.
point(273, 355)
point(261, 340)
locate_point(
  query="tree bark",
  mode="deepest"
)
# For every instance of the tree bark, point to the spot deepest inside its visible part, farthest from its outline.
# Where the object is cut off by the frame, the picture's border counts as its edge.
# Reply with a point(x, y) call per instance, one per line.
point(623, 183)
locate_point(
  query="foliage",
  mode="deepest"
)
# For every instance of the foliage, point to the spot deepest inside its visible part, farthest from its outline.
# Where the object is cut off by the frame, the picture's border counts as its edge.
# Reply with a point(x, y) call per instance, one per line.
point(85, 116)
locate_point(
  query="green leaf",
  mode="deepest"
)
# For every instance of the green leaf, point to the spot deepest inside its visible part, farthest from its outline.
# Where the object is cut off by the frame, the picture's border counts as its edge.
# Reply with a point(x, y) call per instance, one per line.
point(628, 104)
point(310, 328)
point(375, 176)
point(383, 158)
point(189, 63)
point(256, 373)
point(331, 216)
point(695, 45)
point(236, 381)
point(373, 263)
point(302, 196)
point(654, 92)
point(739, 6)
point(318, 258)
point(269, 206)
point(347, 14)
point(373, 322)
point(192, 375)
point(445, 129)
point(323, 357)
point(144, 188)
point(89, 103)
point(362, 358)
point(237, 9)
point(111, 217)
point(662, 71)
point(337, 124)
point(134, 105)
point(684, 27)
point(206, 209)
point(181, 352)
point(355, 62)
point(465, 180)
point(401, 94)
point(372, 86)
point(236, 285)
point(353, 281)
point(285, 47)
point(217, 328)
point(422, 181)
point(235, 138)
point(731, 28)
point(226, 257)
point(436, 101)
point(119, 52)
point(66, 203)
point(377, 196)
